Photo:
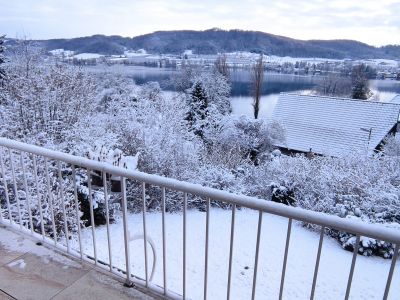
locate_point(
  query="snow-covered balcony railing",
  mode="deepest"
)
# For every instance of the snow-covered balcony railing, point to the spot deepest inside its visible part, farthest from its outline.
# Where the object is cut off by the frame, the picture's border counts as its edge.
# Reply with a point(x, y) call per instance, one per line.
point(43, 176)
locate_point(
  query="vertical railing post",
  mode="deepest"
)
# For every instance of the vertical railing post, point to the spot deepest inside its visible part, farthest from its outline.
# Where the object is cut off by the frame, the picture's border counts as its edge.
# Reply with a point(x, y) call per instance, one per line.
point(3, 172)
point(27, 194)
point(50, 199)
point(15, 188)
point(107, 219)
point(60, 182)
point(77, 211)
point(259, 227)
point(289, 229)
point(89, 180)
point(206, 248)
point(321, 238)
point(184, 245)
point(126, 233)
point(35, 170)
point(390, 276)
point(145, 233)
point(353, 263)
point(228, 293)
point(164, 241)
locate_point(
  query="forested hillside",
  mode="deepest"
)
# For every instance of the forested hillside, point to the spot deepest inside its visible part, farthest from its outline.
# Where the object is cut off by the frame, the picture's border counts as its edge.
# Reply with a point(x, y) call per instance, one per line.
point(216, 41)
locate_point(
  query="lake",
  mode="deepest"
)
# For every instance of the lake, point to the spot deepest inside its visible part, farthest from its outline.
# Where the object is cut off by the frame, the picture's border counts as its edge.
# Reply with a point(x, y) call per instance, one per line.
point(240, 82)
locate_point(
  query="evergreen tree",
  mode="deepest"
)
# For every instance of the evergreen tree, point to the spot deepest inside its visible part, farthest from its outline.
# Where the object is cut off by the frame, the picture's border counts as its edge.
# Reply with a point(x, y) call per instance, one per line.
point(359, 80)
point(197, 114)
point(2, 60)
point(2, 70)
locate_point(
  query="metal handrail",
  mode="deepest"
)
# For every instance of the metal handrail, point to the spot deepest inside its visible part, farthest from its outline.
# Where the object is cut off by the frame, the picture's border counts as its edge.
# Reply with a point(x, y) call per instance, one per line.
point(322, 219)
point(262, 206)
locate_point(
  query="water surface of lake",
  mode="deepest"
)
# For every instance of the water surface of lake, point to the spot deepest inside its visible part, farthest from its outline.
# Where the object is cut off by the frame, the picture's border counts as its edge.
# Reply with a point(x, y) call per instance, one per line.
point(241, 87)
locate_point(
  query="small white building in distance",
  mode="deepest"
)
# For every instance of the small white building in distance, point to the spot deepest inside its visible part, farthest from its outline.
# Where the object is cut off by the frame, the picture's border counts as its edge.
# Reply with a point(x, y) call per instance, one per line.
point(334, 126)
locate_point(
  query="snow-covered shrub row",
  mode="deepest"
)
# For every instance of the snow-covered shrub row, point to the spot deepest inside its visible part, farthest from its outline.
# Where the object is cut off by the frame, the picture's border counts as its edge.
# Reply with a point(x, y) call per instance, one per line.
point(355, 184)
point(352, 186)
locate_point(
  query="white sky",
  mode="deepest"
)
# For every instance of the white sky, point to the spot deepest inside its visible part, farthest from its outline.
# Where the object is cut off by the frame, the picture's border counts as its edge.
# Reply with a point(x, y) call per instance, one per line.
point(375, 22)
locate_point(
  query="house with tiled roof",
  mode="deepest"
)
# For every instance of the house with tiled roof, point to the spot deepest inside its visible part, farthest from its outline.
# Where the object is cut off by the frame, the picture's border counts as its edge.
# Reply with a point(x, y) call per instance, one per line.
point(334, 126)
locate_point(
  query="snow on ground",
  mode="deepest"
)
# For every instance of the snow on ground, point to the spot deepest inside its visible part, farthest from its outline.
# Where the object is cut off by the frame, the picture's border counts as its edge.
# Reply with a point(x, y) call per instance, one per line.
point(283, 59)
point(17, 242)
point(380, 61)
point(369, 277)
point(88, 55)
point(20, 263)
point(60, 52)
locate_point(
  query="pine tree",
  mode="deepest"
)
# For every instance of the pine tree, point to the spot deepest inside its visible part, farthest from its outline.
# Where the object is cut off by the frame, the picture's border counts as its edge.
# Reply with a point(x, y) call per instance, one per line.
point(197, 114)
point(2, 59)
point(2, 70)
point(359, 80)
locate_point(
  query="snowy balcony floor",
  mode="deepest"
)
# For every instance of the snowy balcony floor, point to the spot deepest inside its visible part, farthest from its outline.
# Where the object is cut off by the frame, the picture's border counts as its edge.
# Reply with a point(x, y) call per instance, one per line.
point(369, 276)
point(29, 271)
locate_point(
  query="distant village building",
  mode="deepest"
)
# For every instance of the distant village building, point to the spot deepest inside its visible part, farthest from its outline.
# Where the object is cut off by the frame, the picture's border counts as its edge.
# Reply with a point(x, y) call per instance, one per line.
point(334, 126)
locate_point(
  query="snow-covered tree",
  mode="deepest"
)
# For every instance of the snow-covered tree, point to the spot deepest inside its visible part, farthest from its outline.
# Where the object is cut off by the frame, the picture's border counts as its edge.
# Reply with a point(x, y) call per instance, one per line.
point(2, 70)
point(2, 59)
point(208, 101)
point(334, 85)
point(215, 86)
point(197, 110)
point(247, 138)
point(221, 65)
point(359, 79)
point(46, 100)
point(257, 79)
point(184, 79)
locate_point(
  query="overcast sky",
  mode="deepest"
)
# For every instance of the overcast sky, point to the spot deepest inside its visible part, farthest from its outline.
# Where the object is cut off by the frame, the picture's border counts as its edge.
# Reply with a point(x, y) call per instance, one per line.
point(375, 22)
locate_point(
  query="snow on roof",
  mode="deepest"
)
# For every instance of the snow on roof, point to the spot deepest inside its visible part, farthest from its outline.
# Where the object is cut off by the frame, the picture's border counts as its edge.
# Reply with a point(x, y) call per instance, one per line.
point(333, 126)
point(396, 99)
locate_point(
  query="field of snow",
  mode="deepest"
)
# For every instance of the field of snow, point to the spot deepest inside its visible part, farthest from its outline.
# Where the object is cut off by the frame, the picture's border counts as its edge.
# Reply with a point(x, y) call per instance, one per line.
point(88, 56)
point(369, 277)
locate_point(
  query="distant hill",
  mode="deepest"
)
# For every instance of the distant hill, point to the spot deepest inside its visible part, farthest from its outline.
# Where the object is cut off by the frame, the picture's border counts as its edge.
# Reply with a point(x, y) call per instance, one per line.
point(217, 41)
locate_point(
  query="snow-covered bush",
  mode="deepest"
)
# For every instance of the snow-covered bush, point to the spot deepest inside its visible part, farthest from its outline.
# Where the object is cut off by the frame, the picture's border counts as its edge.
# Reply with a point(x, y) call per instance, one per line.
point(392, 146)
point(98, 200)
point(44, 103)
point(367, 246)
point(358, 186)
point(242, 138)
point(282, 194)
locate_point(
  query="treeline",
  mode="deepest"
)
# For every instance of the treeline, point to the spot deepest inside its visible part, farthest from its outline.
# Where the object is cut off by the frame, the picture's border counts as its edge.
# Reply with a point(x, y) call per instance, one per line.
point(217, 41)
